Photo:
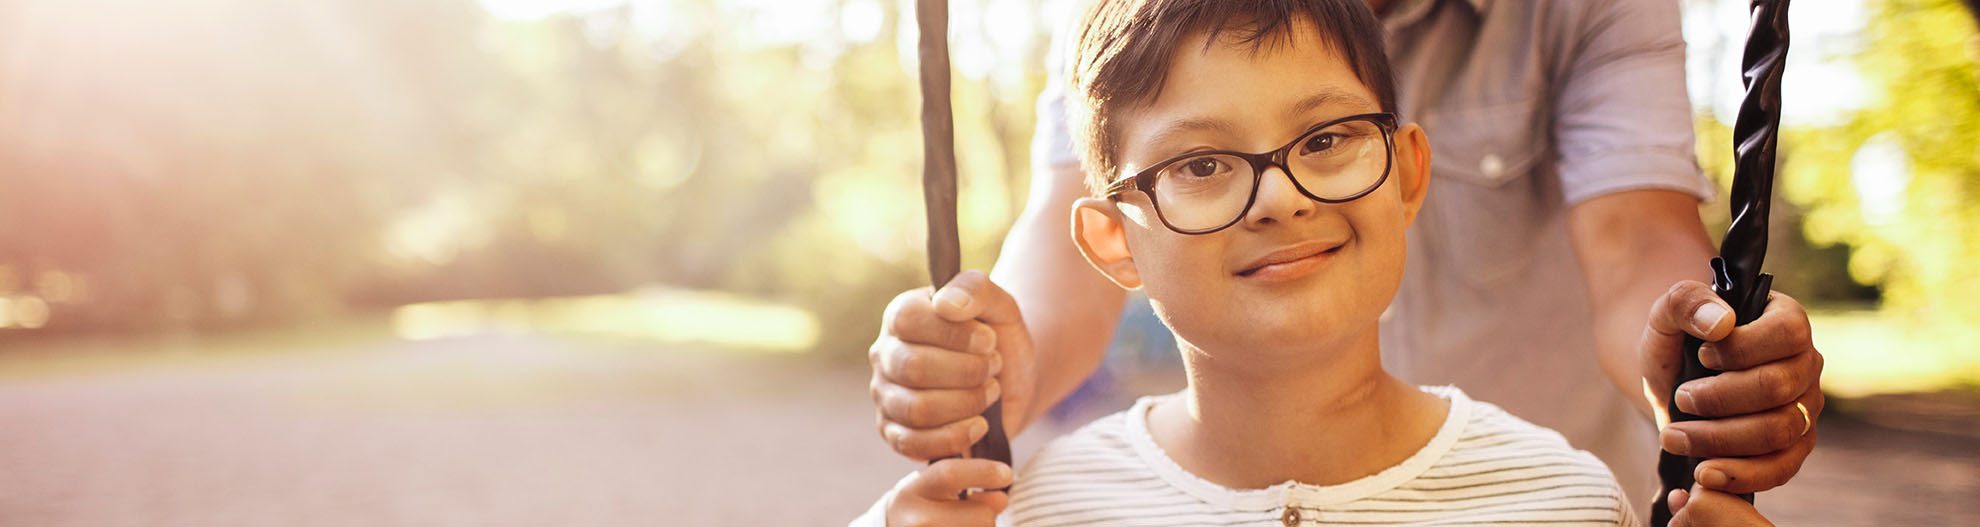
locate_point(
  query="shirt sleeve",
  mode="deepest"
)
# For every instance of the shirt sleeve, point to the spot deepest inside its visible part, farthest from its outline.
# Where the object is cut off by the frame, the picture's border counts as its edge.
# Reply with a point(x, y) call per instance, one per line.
point(1051, 141)
point(875, 516)
point(1625, 509)
point(1623, 120)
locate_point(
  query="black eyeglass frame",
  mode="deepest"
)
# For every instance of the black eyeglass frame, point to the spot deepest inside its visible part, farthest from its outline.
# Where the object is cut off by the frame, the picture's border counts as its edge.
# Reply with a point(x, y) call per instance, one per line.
point(1144, 181)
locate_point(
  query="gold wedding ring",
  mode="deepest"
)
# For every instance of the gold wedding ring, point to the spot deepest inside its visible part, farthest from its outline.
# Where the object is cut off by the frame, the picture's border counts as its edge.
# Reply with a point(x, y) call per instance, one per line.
point(1807, 422)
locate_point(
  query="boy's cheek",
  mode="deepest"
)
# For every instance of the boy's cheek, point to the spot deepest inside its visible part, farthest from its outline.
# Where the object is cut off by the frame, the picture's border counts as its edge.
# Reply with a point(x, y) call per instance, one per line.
point(1187, 276)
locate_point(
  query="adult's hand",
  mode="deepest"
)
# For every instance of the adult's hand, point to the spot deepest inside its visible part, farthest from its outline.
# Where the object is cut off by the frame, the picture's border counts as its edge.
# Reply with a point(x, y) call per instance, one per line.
point(941, 360)
point(1761, 412)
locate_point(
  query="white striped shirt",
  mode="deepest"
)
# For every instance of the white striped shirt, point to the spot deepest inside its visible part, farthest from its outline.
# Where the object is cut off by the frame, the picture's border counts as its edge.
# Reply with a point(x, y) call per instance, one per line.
point(1483, 467)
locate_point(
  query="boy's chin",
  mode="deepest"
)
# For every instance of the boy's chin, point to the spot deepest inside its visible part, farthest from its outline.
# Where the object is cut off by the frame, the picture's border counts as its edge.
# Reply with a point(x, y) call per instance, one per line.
point(1280, 354)
point(1301, 339)
point(1298, 318)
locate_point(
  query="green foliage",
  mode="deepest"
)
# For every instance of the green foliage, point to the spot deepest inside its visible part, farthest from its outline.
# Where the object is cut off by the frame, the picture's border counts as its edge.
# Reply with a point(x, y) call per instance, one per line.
point(1919, 246)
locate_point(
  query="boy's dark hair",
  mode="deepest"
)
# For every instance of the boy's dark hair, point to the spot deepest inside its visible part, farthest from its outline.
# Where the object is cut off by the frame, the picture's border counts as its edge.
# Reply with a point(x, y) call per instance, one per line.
point(1123, 48)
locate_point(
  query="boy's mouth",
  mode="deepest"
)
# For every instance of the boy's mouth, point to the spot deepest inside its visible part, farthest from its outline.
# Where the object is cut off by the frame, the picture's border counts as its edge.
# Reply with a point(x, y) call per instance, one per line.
point(1291, 262)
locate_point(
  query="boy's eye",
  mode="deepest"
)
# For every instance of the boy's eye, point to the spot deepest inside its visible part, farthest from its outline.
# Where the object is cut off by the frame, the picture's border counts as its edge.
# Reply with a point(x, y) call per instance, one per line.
point(1203, 167)
point(1319, 142)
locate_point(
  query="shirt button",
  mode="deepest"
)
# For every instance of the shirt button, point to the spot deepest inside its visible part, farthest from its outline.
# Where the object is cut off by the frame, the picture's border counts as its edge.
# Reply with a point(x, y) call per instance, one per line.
point(1492, 166)
point(1290, 518)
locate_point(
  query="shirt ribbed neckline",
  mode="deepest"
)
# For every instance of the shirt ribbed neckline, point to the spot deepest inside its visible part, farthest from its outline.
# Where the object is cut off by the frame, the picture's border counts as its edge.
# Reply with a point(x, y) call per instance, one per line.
point(1293, 492)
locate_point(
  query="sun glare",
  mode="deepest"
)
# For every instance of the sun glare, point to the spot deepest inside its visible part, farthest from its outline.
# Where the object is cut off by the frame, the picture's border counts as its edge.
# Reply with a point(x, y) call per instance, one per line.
point(719, 320)
point(526, 10)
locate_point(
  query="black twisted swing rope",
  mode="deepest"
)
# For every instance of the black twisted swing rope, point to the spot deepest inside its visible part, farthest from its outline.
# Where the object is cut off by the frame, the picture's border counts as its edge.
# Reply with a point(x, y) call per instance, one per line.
point(938, 183)
point(1736, 272)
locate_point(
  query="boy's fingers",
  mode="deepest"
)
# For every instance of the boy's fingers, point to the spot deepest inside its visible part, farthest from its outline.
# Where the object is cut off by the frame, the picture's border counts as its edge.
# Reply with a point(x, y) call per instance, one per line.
point(925, 409)
point(996, 500)
point(1742, 435)
point(1741, 475)
point(1677, 500)
point(949, 514)
point(1755, 389)
point(949, 440)
point(915, 511)
point(946, 480)
point(1782, 331)
point(1702, 507)
point(921, 366)
point(1690, 307)
point(912, 318)
point(971, 295)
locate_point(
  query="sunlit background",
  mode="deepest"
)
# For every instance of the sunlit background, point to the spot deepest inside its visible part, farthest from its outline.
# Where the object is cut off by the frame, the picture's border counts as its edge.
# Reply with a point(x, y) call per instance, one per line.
point(540, 262)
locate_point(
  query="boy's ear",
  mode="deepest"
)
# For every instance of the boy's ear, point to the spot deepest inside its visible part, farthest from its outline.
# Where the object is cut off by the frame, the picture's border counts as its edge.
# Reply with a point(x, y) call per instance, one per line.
point(1102, 239)
point(1412, 168)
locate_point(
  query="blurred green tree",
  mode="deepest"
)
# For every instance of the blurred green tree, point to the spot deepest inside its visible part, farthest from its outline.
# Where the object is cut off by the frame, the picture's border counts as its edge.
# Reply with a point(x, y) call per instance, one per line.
point(1896, 181)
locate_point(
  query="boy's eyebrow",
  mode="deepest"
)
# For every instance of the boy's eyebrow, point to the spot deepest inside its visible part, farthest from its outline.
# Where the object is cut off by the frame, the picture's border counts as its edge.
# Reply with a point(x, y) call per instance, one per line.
point(1329, 96)
point(1193, 124)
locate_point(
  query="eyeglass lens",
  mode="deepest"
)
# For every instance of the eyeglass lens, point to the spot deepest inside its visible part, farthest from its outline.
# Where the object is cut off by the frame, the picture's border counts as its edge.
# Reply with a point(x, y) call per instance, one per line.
point(1211, 190)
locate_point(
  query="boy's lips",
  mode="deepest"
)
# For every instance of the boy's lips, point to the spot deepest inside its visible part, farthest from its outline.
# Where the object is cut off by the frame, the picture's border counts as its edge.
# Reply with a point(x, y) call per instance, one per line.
point(1291, 262)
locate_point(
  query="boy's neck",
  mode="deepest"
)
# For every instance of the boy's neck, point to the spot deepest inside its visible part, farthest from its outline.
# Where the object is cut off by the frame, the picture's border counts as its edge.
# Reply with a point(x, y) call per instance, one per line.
point(1323, 423)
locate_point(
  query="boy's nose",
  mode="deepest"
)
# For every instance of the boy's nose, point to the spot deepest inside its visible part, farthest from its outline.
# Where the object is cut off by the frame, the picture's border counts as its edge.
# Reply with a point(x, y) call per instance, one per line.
point(1278, 200)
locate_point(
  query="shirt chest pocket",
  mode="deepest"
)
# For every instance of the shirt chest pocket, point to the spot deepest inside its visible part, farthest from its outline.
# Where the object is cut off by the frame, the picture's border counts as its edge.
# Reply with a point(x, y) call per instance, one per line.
point(1487, 197)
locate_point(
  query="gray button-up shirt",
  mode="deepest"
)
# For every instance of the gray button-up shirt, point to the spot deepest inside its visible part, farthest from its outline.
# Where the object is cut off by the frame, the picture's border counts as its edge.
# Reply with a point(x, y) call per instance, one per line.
point(1531, 106)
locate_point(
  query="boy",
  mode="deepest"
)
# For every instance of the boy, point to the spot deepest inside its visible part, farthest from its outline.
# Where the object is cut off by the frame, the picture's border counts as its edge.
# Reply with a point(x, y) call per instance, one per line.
point(1272, 261)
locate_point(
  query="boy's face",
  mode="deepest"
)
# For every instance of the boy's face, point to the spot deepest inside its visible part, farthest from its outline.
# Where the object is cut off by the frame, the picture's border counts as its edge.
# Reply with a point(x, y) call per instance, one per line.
point(1346, 259)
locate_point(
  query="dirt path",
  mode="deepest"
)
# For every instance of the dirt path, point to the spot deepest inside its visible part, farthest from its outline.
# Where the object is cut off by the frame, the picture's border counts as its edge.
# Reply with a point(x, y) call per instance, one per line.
point(497, 431)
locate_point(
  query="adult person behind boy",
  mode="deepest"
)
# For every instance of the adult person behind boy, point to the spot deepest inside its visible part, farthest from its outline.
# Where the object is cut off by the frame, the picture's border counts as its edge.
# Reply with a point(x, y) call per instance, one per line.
point(1250, 174)
point(1565, 221)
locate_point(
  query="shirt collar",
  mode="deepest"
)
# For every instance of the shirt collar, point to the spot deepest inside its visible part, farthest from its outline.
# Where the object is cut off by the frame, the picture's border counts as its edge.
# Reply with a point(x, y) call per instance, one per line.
point(1411, 11)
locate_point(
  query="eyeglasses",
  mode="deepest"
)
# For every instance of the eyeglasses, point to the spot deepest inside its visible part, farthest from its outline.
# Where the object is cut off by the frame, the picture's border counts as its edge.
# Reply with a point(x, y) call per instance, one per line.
point(1204, 192)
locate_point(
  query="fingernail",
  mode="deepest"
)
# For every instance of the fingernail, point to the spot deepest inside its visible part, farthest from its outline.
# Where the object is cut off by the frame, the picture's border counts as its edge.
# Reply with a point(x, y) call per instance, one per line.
point(1707, 317)
point(954, 298)
point(996, 364)
point(977, 428)
point(1685, 403)
point(1675, 441)
point(995, 391)
point(982, 340)
point(1711, 478)
point(1003, 471)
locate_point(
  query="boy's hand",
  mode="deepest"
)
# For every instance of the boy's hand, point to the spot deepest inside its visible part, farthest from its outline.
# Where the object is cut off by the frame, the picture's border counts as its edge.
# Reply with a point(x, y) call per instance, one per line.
point(1702, 507)
point(1761, 413)
point(941, 360)
point(933, 495)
